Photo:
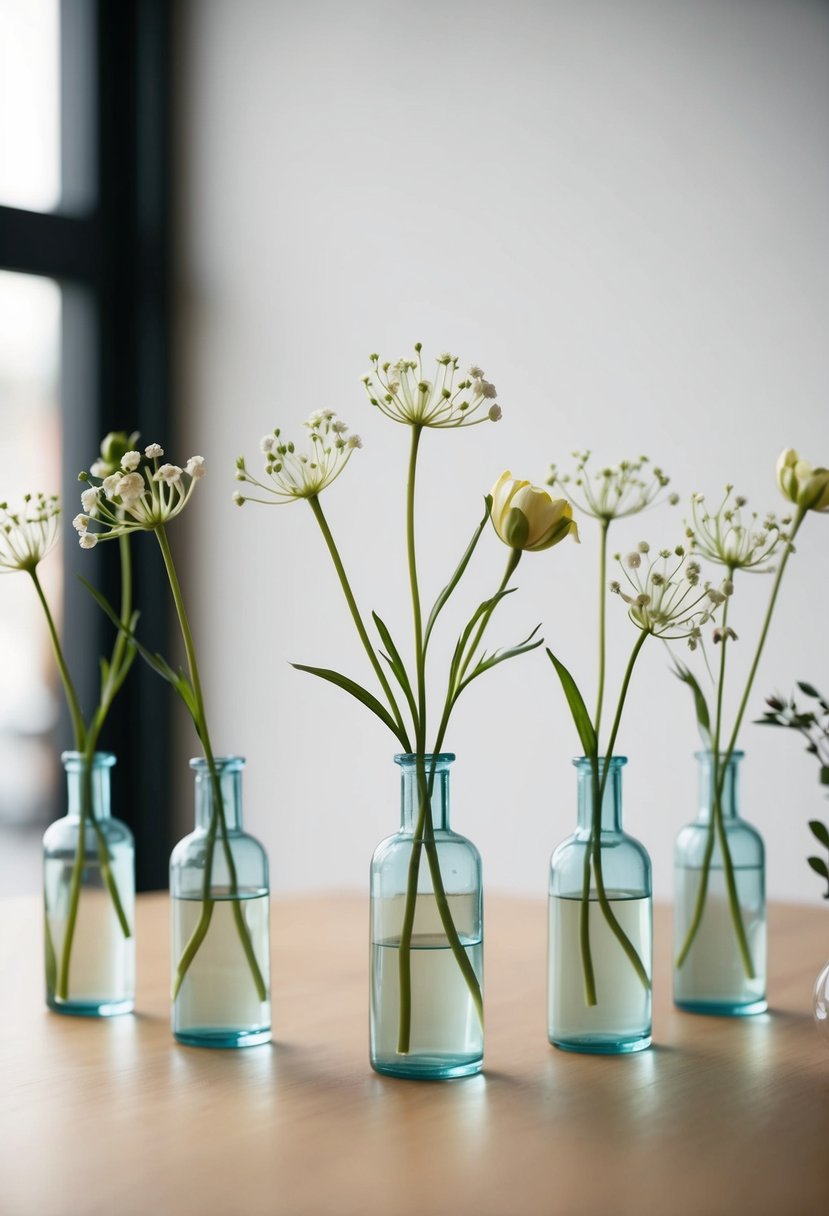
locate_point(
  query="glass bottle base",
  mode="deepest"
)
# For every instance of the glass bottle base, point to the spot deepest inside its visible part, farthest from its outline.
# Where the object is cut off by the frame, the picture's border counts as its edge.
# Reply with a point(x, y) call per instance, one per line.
point(428, 1068)
point(222, 1038)
point(603, 1045)
point(724, 1009)
point(107, 1008)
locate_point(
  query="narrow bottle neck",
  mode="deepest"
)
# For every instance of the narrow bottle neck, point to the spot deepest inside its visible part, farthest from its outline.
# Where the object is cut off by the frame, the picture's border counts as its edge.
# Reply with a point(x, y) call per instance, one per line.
point(589, 784)
point(414, 792)
point(229, 778)
point(88, 784)
point(709, 776)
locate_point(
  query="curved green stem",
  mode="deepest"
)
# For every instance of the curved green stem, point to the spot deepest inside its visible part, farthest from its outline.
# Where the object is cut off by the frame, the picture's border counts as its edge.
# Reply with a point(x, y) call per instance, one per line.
point(512, 565)
point(319, 515)
point(217, 815)
point(595, 842)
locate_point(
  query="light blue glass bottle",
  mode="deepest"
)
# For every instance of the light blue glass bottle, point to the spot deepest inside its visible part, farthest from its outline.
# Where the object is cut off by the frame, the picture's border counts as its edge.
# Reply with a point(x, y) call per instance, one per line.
point(89, 898)
point(444, 1035)
point(620, 1019)
point(714, 977)
point(219, 878)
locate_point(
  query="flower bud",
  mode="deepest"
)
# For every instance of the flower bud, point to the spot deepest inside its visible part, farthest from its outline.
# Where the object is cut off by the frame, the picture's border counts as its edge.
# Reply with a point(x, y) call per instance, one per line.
point(803, 483)
point(526, 517)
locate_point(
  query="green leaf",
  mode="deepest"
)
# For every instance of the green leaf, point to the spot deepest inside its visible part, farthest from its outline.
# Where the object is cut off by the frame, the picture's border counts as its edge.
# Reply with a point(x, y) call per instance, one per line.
point(486, 607)
point(685, 674)
point(459, 571)
point(396, 663)
point(500, 656)
point(578, 709)
point(820, 832)
point(824, 773)
point(808, 690)
point(356, 690)
point(819, 866)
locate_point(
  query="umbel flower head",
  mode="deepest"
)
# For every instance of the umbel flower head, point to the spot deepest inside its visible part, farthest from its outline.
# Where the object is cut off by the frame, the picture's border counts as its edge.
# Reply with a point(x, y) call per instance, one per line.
point(27, 535)
point(293, 474)
point(404, 393)
point(139, 495)
point(801, 482)
point(666, 598)
point(612, 492)
point(732, 539)
point(526, 517)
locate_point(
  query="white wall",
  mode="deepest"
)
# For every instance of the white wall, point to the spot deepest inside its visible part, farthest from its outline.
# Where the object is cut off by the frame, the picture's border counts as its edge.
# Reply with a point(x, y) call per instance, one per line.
point(621, 211)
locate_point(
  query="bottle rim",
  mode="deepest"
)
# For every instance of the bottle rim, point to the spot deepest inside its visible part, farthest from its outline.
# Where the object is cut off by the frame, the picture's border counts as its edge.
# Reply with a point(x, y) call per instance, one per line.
point(223, 763)
point(439, 759)
point(72, 760)
point(586, 762)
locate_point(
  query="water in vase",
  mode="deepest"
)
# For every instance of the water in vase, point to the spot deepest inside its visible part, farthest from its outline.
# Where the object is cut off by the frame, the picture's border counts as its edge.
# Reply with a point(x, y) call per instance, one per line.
point(621, 1018)
point(102, 959)
point(713, 976)
point(446, 1028)
point(218, 1002)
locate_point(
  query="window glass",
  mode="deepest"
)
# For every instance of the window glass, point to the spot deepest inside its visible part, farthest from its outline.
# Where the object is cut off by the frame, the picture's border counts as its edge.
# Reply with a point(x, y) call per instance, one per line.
point(30, 322)
point(30, 104)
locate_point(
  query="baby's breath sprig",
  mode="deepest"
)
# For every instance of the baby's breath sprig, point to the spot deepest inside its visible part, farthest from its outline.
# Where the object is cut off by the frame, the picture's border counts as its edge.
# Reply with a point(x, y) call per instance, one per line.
point(668, 600)
point(613, 491)
point(730, 538)
point(404, 394)
point(294, 475)
point(28, 534)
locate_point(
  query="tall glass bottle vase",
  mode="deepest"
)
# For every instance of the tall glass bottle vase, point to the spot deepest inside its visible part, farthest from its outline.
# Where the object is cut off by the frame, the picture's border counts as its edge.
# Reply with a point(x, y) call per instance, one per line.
point(585, 930)
point(220, 920)
point(426, 937)
point(89, 897)
point(715, 976)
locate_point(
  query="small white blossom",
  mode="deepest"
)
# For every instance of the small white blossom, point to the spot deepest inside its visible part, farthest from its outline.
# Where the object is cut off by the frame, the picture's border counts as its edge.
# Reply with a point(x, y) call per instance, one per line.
point(89, 500)
point(153, 451)
point(267, 444)
point(110, 484)
point(87, 540)
point(170, 473)
point(99, 469)
point(293, 474)
point(80, 523)
point(195, 467)
point(129, 488)
point(130, 461)
point(404, 394)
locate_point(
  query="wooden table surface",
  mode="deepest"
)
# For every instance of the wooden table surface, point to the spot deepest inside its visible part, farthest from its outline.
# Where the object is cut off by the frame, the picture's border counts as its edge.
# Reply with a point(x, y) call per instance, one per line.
point(722, 1116)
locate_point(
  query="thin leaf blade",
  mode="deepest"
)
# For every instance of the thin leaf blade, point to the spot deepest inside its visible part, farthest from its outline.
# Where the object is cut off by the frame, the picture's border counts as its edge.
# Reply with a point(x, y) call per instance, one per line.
point(355, 690)
point(701, 710)
point(460, 569)
point(578, 709)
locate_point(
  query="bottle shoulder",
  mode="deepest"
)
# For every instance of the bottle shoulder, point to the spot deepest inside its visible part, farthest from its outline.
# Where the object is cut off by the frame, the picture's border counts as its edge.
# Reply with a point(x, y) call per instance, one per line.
point(65, 832)
point(745, 843)
point(193, 847)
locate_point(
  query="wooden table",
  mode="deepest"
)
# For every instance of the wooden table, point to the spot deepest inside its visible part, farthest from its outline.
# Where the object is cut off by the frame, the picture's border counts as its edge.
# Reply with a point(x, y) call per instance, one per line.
point(721, 1116)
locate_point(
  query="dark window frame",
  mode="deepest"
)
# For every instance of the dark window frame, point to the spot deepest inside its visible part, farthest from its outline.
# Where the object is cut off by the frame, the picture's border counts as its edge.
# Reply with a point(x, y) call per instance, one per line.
point(112, 259)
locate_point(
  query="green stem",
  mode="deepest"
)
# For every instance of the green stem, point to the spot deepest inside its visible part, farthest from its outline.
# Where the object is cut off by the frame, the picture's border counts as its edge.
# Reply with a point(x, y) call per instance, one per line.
point(605, 524)
point(217, 814)
point(420, 658)
point(512, 565)
point(78, 726)
point(319, 515)
point(595, 834)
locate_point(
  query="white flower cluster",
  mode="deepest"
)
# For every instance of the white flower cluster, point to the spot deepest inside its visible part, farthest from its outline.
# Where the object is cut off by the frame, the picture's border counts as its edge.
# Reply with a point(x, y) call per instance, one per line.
point(612, 492)
point(731, 540)
point(666, 597)
point(139, 495)
point(293, 474)
point(403, 393)
point(27, 535)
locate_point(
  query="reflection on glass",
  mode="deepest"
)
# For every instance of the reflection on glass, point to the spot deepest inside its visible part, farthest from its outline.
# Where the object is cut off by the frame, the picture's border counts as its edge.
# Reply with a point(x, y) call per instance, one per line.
point(30, 321)
point(30, 104)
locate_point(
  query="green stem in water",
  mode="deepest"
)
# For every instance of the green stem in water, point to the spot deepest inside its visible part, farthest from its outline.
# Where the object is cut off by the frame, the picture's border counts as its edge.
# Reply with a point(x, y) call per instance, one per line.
point(319, 515)
point(78, 726)
point(217, 814)
point(595, 850)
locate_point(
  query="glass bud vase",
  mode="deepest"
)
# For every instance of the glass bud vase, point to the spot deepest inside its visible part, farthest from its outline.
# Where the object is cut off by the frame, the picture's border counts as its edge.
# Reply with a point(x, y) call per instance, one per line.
point(714, 976)
point(600, 925)
point(89, 897)
point(426, 936)
point(220, 919)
